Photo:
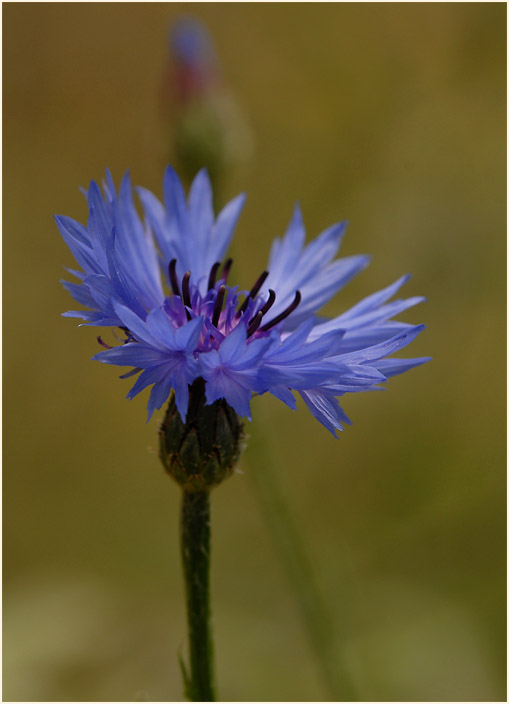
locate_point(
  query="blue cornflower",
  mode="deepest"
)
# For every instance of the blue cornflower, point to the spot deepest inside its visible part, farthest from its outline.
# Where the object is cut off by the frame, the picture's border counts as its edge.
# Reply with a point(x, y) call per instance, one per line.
point(164, 283)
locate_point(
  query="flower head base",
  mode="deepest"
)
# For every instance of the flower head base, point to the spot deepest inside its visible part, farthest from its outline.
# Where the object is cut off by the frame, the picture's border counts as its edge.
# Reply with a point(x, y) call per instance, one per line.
point(166, 284)
point(201, 452)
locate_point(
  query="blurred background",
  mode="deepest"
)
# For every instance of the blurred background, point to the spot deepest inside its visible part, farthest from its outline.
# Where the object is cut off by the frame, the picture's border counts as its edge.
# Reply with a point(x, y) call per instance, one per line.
point(389, 115)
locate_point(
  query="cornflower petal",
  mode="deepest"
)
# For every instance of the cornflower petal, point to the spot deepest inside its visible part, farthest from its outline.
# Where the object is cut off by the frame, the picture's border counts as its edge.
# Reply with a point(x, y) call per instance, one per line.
point(74, 235)
point(383, 349)
point(175, 202)
point(80, 293)
point(392, 367)
point(149, 376)
point(326, 409)
point(375, 300)
point(229, 386)
point(201, 219)
point(224, 228)
point(160, 393)
point(367, 336)
point(133, 355)
point(317, 291)
point(231, 372)
point(284, 394)
point(188, 335)
point(135, 248)
point(268, 342)
point(286, 253)
point(137, 327)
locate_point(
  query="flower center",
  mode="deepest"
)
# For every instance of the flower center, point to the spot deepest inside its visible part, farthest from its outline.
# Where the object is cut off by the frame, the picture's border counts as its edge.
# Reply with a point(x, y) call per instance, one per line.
point(254, 322)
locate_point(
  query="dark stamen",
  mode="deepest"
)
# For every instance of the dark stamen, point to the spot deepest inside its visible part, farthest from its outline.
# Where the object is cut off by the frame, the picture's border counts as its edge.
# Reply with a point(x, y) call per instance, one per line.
point(284, 314)
point(269, 303)
point(218, 305)
point(128, 336)
point(226, 269)
point(258, 284)
point(131, 373)
point(213, 274)
point(172, 270)
point(103, 344)
point(255, 323)
point(253, 292)
point(186, 296)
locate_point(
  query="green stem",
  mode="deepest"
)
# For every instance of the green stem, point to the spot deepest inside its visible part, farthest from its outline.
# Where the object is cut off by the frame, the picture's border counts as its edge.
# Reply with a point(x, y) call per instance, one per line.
point(195, 545)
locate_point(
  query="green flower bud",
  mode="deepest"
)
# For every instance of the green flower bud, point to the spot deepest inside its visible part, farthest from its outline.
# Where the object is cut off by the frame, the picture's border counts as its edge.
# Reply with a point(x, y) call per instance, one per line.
point(200, 453)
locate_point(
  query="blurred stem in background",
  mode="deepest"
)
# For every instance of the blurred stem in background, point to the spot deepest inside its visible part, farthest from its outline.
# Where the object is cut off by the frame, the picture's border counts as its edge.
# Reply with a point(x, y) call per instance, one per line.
point(208, 131)
point(291, 552)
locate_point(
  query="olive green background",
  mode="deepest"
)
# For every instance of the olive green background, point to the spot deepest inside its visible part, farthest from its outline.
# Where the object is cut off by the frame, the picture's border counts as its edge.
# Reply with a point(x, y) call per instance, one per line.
point(389, 115)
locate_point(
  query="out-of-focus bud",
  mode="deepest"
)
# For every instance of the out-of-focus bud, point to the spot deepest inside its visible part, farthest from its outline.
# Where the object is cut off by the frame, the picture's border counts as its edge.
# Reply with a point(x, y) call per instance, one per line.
point(207, 127)
point(202, 452)
point(196, 69)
